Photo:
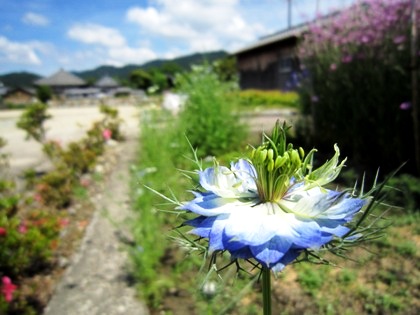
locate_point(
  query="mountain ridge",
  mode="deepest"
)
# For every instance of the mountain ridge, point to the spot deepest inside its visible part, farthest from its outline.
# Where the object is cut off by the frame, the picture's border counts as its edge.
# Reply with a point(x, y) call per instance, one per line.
point(26, 79)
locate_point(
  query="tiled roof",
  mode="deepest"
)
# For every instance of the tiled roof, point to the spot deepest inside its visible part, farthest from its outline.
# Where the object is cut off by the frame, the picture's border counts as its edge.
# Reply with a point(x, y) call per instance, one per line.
point(61, 78)
point(106, 81)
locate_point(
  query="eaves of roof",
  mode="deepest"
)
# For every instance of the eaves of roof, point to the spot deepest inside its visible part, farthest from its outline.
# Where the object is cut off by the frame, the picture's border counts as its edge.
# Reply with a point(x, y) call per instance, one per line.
point(274, 38)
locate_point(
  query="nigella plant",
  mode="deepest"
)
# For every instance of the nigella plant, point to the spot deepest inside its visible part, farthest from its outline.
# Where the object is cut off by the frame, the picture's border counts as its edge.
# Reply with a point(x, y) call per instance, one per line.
point(275, 208)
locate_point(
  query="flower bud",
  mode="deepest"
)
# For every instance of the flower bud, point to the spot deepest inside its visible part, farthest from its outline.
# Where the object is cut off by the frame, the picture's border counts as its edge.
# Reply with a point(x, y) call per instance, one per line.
point(263, 155)
point(301, 152)
point(279, 162)
point(295, 158)
point(270, 154)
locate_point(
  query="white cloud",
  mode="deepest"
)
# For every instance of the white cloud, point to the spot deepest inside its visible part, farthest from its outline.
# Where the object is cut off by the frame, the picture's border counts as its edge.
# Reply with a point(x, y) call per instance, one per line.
point(122, 55)
point(96, 34)
point(201, 25)
point(114, 48)
point(19, 53)
point(35, 19)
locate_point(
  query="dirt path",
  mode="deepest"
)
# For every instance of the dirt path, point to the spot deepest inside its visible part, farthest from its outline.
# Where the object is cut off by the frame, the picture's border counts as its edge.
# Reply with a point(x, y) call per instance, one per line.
point(97, 282)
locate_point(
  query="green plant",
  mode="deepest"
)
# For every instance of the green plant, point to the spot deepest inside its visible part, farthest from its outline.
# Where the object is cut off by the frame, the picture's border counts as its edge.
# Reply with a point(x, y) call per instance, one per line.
point(312, 278)
point(254, 98)
point(154, 169)
point(111, 121)
point(44, 93)
point(26, 244)
point(358, 75)
point(405, 192)
point(207, 118)
point(55, 188)
point(32, 121)
point(9, 198)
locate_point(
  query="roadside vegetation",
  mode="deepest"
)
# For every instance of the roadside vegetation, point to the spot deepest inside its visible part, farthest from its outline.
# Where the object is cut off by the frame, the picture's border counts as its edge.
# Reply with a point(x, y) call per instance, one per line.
point(43, 218)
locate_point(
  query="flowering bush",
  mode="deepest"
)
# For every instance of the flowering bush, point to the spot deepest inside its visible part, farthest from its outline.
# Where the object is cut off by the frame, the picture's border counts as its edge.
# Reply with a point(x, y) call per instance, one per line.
point(359, 65)
point(32, 121)
point(111, 122)
point(55, 188)
point(26, 244)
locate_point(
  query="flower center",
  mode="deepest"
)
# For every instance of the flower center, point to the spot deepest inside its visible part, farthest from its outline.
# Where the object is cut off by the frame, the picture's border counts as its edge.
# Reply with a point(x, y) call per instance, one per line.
point(278, 165)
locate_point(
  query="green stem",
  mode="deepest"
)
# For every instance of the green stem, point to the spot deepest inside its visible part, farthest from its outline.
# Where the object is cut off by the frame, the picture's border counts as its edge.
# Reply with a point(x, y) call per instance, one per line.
point(266, 282)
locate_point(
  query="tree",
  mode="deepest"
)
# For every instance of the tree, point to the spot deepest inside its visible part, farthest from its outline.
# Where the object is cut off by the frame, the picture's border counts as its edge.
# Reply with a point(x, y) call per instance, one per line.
point(140, 79)
point(44, 93)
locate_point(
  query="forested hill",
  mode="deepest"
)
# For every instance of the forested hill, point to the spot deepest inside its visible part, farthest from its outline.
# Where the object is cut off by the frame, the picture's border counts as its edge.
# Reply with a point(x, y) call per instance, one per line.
point(15, 79)
point(26, 79)
point(123, 72)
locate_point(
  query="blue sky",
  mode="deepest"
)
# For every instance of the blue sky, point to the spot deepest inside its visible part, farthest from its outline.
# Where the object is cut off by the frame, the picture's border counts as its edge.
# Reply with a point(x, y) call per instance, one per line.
point(41, 36)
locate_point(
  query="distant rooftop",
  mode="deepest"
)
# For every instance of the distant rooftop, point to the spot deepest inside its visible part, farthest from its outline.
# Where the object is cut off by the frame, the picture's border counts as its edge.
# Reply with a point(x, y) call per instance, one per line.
point(61, 78)
point(106, 82)
point(295, 31)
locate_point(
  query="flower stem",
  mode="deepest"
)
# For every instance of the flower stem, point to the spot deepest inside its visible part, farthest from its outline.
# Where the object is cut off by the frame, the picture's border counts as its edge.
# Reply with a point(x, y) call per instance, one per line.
point(266, 282)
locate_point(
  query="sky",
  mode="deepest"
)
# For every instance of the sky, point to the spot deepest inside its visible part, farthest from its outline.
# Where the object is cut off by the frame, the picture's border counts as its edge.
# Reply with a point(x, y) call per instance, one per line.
point(42, 36)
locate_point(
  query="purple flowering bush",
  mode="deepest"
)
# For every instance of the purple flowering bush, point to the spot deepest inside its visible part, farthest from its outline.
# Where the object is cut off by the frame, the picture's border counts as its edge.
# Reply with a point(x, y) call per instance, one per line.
point(359, 86)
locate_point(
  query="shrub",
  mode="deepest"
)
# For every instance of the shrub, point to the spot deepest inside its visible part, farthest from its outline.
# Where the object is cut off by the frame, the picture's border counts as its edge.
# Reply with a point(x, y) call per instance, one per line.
point(111, 121)
point(405, 192)
point(32, 121)
point(268, 98)
point(9, 199)
point(55, 188)
point(26, 244)
point(207, 118)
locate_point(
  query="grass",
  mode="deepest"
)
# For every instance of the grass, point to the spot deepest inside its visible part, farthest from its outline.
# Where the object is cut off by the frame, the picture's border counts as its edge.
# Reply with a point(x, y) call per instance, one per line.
point(382, 278)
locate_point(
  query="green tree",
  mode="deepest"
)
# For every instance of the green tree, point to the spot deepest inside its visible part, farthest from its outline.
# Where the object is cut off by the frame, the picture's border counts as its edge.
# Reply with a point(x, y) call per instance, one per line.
point(226, 68)
point(140, 79)
point(44, 93)
point(32, 121)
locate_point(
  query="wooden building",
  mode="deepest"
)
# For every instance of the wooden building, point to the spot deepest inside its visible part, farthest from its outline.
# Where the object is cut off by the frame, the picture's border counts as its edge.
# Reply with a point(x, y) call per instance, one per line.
point(269, 63)
point(19, 96)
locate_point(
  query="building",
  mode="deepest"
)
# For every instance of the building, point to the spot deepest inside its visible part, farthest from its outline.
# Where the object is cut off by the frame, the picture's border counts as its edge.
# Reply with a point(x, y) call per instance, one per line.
point(18, 96)
point(62, 81)
point(272, 63)
point(269, 63)
point(106, 83)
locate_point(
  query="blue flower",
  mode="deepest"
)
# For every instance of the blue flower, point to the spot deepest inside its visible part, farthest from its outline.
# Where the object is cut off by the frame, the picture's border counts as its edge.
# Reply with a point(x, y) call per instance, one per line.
point(271, 210)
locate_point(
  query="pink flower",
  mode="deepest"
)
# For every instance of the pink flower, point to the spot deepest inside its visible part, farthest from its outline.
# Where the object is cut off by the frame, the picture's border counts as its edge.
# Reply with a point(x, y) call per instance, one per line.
point(85, 182)
point(38, 198)
point(399, 39)
point(22, 229)
point(347, 59)
point(333, 67)
point(314, 99)
point(7, 289)
point(107, 134)
point(405, 106)
point(63, 222)
point(3, 231)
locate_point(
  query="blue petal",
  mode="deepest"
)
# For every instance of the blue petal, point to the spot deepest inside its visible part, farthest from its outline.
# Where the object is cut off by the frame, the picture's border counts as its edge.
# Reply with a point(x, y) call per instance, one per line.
point(208, 205)
point(319, 204)
point(243, 253)
point(213, 177)
point(272, 251)
point(216, 233)
point(289, 257)
point(202, 225)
